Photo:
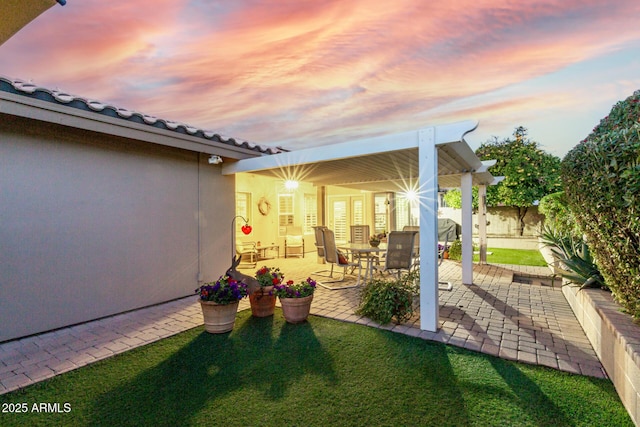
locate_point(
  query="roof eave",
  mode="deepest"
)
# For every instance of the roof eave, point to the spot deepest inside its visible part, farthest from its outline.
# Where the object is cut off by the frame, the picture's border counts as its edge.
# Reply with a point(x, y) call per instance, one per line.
point(61, 114)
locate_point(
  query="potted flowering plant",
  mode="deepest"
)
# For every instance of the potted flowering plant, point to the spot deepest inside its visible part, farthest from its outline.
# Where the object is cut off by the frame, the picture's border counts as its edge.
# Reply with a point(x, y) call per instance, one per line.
point(219, 301)
point(443, 251)
point(290, 289)
point(295, 299)
point(263, 301)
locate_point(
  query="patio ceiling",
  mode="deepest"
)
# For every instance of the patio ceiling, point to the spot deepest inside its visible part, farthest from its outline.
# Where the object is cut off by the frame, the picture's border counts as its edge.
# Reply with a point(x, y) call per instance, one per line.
point(387, 163)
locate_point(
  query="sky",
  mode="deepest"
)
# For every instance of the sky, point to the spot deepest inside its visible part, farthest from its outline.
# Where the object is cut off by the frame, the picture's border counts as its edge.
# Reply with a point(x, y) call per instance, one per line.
point(306, 73)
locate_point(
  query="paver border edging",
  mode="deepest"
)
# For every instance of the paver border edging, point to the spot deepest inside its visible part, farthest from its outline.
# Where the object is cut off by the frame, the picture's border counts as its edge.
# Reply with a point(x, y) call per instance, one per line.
point(614, 337)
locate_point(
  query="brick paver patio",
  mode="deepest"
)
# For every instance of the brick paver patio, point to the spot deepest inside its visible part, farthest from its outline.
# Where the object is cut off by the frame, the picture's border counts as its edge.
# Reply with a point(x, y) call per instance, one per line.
point(526, 320)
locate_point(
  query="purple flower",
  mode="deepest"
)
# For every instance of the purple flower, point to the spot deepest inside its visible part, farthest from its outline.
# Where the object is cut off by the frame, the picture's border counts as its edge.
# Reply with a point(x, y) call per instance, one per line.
point(295, 290)
point(223, 291)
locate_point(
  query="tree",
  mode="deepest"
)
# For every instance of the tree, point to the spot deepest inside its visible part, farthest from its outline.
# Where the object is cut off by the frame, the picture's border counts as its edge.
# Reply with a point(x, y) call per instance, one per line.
point(530, 173)
point(453, 198)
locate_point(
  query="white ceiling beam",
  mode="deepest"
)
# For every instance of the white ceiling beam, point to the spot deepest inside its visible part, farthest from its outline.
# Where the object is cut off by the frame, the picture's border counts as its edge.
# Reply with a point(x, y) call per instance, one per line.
point(325, 153)
point(444, 134)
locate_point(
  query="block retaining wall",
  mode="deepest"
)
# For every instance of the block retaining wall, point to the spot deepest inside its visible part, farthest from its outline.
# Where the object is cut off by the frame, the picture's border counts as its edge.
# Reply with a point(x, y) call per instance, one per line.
point(614, 337)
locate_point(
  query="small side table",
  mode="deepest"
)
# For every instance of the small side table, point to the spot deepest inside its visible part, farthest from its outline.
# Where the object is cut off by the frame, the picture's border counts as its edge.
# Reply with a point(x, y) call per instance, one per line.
point(262, 251)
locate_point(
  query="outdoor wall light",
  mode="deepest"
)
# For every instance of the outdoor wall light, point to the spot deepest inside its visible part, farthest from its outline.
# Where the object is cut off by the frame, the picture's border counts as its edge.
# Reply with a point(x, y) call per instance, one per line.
point(215, 160)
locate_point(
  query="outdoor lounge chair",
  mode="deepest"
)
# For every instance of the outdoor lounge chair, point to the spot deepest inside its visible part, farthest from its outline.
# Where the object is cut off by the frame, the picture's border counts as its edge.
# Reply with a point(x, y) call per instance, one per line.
point(248, 253)
point(336, 258)
point(293, 242)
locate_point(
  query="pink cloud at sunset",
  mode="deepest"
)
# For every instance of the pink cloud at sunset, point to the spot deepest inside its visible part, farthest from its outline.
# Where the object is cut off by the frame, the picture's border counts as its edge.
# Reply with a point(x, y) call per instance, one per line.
point(306, 73)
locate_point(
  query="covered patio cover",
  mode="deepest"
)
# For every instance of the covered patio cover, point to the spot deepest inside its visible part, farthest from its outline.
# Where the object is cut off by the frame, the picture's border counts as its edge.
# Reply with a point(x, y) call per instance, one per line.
point(422, 160)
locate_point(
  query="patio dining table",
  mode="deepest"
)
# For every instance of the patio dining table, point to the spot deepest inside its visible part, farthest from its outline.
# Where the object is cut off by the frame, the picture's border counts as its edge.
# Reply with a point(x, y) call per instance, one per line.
point(365, 251)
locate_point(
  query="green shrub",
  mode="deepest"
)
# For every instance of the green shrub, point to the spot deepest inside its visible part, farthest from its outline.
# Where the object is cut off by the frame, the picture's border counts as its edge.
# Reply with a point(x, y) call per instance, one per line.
point(557, 214)
point(382, 300)
point(455, 250)
point(601, 177)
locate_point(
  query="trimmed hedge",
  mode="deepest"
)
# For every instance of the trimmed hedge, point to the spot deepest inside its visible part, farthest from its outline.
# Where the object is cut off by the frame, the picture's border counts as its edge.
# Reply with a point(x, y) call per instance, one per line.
point(557, 214)
point(601, 177)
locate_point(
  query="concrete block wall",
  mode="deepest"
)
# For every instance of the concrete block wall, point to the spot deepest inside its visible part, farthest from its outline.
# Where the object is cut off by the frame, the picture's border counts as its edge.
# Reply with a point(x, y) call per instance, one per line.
point(613, 335)
point(615, 339)
point(503, 221)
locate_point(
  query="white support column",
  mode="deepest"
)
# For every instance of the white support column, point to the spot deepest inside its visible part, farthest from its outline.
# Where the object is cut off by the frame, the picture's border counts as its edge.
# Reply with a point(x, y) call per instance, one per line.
point(482, 222)
point(428, 158)
point(467, 229)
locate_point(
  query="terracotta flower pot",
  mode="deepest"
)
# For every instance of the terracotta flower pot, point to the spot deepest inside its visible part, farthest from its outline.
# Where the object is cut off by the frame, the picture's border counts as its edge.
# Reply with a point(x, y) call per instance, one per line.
point(218, 318)
point(262, 304)
point(296, 310)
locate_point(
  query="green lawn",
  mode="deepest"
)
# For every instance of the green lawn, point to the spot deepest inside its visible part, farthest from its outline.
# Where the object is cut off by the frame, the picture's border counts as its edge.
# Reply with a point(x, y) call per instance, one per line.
point(321, 373)
point(513, 256)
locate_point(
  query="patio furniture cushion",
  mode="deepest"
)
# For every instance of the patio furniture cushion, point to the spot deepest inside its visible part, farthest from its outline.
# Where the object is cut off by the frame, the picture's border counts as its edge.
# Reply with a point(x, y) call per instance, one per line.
point(342, 259)
point(294, 240)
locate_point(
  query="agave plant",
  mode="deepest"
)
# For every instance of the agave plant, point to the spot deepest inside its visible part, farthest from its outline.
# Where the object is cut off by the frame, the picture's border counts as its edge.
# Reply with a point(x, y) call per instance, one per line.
point(574, 258)
point(552, 237)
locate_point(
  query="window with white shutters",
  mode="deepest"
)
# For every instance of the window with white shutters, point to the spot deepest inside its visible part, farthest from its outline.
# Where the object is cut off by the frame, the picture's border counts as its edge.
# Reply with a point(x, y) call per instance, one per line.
point(310, 213)
point(357, 212)
point(380, 213)
point(285, 212)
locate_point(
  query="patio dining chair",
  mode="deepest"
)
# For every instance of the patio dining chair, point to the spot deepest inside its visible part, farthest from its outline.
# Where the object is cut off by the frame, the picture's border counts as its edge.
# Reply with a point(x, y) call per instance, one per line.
point(416, 243)
point(442, 285)
point(317, 231)
point(338, 259)
point(360, 234)
point(399, 256)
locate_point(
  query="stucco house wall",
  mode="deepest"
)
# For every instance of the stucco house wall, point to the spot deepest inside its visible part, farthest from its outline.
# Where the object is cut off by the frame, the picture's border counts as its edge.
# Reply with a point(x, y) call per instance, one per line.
point(93, 225)
point(266, 228)
point(101, 214)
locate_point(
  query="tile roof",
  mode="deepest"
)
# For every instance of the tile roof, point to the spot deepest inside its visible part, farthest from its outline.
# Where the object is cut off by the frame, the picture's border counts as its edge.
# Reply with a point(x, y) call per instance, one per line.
point(29, 89)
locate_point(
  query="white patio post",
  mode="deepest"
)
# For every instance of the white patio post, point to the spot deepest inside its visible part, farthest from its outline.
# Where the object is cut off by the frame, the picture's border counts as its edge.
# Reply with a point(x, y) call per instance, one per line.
point(428, 163)
point(467, 229)
point(482, 222)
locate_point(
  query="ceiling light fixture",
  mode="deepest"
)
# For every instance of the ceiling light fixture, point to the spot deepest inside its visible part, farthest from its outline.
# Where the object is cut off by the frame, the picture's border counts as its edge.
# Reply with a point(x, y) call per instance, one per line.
point(291, 184)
